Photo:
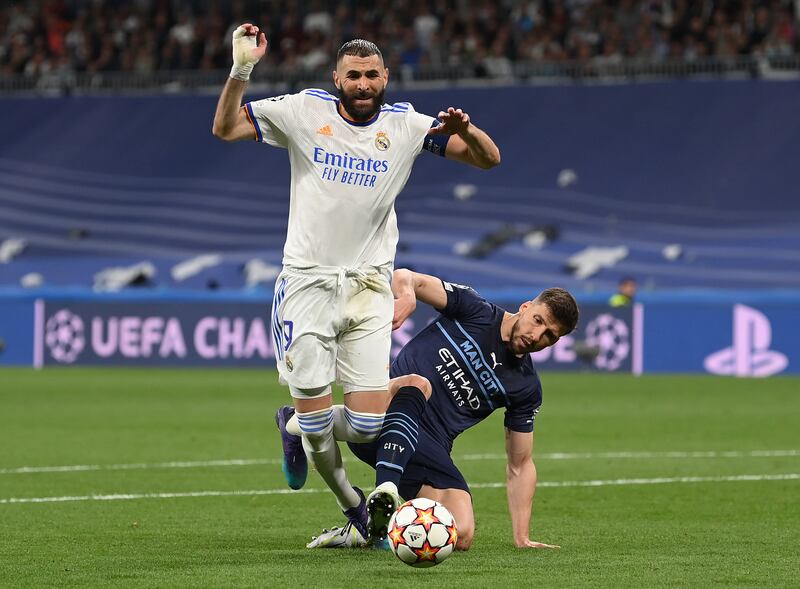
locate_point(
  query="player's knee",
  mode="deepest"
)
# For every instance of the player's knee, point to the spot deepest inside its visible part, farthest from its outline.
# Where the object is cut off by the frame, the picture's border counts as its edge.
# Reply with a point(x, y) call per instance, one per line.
point(411, 380)
point(465, 538)
point(316, 428)
point(358, 426)
point(466, 529)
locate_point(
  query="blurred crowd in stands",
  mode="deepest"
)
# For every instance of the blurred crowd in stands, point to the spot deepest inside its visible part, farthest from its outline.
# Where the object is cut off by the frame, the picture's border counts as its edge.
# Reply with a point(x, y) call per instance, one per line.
point(47, 36)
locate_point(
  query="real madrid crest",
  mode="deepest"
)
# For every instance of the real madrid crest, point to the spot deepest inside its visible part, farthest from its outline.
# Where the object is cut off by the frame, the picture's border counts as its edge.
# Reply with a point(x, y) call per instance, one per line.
point(382, 141)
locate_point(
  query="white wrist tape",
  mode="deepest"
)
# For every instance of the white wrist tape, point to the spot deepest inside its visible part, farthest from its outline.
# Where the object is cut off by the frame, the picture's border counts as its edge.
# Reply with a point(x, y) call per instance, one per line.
point(243, 59)
point(241, 72)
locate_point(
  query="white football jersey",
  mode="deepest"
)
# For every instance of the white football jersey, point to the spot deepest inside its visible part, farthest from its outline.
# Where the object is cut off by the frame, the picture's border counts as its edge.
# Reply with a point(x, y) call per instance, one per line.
point(345, 175)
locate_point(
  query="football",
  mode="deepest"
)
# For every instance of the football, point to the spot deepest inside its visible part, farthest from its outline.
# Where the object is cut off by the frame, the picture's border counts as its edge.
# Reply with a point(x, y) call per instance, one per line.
point(422, 532)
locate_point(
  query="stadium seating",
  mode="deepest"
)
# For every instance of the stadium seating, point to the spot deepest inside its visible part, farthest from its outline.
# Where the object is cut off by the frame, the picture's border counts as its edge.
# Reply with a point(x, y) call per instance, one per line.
point(53, 42)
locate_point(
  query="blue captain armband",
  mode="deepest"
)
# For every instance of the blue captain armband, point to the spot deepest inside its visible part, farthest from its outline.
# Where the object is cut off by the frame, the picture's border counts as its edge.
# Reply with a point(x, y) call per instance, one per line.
point(436, 144)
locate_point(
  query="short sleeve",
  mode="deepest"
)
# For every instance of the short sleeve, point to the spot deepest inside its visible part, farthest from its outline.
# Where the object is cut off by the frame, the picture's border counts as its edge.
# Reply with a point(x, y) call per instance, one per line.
point(463, 302)
point(418, 125)
point(274, 118)
point(520, 417)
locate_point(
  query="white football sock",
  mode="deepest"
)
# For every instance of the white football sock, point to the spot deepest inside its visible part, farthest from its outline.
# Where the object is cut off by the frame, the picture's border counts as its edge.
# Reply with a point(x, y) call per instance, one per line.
point(354, 426)
point(293, 427)
point(323, 452)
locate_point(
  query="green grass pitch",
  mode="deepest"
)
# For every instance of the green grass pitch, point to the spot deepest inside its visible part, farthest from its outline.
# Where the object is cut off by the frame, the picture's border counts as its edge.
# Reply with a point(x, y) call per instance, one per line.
point(706, 491)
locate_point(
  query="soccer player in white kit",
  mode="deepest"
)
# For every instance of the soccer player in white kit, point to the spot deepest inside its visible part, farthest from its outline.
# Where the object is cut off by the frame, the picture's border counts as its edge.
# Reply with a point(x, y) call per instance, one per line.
point(350, 157)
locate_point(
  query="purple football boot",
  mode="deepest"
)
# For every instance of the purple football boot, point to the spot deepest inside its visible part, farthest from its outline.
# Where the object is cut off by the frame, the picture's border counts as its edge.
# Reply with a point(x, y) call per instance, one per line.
point(358, 515)
point(295, 464)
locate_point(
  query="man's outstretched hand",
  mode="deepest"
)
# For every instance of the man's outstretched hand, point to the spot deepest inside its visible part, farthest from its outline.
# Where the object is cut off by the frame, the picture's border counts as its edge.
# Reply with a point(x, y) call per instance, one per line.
point(452, 122)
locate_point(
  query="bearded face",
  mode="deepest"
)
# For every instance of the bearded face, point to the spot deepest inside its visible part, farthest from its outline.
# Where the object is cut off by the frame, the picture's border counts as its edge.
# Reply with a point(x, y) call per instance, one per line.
point(534, 329)
point(361, 103)
point(361, 84)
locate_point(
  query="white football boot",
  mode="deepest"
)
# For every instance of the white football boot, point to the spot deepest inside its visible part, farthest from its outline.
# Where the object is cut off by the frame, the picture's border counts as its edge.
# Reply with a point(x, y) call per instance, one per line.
point(346, 537)
point(381, 505)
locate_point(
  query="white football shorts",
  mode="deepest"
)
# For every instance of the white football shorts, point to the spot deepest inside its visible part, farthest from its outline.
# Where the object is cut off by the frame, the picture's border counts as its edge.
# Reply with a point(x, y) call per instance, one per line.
point(333, 324)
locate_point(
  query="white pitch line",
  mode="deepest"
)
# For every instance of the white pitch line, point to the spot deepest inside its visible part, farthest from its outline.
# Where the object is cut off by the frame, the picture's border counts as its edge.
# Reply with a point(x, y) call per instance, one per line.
point(139, 466)
point(641, 455)
point(657, 481)
point(256, 492)
point(496, 456)
point(132, 496)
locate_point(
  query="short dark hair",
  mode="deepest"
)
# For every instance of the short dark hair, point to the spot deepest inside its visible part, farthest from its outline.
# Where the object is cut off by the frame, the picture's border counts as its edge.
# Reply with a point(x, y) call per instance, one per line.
point(562, 305)
point(359, 48)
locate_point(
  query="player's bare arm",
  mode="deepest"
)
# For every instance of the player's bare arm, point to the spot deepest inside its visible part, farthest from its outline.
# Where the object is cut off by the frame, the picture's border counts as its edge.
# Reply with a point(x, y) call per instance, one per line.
point(468, 144)
point(230, 120)
point(521, 486)
point(408, 287)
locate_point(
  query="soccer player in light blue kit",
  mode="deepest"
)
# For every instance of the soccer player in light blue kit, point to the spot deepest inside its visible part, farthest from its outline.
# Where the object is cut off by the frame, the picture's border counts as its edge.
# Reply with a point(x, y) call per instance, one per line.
point(350, 157)
point(471, 361)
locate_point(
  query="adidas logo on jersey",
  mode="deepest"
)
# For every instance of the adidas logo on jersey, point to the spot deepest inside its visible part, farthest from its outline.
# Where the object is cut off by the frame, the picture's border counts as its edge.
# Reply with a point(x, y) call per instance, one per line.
point(326, 130)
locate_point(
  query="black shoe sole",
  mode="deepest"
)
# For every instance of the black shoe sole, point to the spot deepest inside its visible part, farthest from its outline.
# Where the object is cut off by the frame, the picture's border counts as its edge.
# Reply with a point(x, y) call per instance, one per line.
point(379, 512)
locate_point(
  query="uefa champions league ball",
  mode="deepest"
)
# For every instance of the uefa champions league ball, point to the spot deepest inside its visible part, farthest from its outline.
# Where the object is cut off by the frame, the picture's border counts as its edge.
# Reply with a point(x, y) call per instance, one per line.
point(422, 532)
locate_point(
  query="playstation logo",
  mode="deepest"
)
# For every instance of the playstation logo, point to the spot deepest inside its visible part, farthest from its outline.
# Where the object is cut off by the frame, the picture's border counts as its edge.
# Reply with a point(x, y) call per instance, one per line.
point(750, 354)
